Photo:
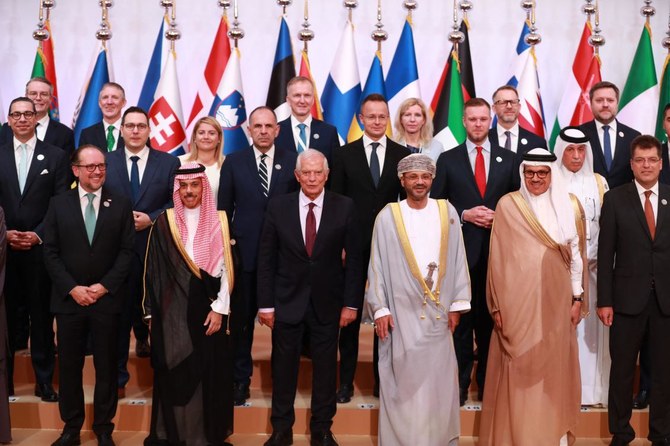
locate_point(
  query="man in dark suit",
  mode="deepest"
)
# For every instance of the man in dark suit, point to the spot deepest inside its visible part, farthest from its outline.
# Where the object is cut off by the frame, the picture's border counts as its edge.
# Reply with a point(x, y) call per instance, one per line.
point(31, 172)
point(507, 133)
point(610, 139)
point(665, 170)
point(365, 171)
point(248, 179)
point(304, 285)
point(300, 131)
point(106, 134)
point(144, 176)
point(634, 290)
point(88, 246)
point(40, 91)
point(473, 177)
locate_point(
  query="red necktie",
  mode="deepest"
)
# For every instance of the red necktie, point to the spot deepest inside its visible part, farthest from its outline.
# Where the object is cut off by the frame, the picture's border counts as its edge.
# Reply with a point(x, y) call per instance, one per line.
point(480, 171)
point(310, 229)
point(649, 214)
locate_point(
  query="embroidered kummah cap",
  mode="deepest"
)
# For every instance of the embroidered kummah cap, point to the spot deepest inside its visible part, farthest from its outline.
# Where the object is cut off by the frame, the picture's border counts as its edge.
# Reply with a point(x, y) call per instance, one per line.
point(416, 162)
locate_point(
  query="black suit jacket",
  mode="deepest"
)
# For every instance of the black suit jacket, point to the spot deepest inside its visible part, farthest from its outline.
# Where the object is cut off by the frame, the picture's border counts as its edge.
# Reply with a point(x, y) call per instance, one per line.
point(350, 176)
point(629, 261)
point(289, 279)
point(664, 177)
point(71, 260)
point(241, 196)
point(620, 172)
point(455, 181)
point(155, 188)
point(47, 176)
point(96, 135)
point(323, 137)
point(532, 141)
point(57, 134)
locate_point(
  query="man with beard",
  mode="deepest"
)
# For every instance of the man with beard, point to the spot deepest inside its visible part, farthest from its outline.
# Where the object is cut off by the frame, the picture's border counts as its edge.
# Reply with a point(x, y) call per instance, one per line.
point(507, 133)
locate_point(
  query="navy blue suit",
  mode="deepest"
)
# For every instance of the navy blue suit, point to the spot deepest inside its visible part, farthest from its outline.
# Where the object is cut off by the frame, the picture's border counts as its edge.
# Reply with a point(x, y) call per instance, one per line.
point(241, 196)
point(57, 134)
point(323, 137)
point(96, 135)
point(155, 195)
point(532, 141)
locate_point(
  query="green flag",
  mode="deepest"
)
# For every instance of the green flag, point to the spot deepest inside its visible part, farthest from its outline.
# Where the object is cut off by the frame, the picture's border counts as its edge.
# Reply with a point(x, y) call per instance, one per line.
point(663, 100)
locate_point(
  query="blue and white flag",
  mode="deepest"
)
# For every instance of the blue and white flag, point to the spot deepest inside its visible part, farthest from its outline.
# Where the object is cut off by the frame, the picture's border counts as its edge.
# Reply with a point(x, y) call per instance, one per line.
point(153, 72)
point(402, 79)
point(374, 84)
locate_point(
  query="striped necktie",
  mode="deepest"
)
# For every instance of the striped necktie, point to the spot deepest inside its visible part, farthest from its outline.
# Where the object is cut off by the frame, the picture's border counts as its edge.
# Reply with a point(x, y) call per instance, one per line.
point(263, 174)
point(302, 138)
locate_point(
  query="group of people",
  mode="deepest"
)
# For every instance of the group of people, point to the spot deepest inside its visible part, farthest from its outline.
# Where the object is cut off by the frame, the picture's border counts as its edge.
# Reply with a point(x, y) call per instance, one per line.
point(490, 259)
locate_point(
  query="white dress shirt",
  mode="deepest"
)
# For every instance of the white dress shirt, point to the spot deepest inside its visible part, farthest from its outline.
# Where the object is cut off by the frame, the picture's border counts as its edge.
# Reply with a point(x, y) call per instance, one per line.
point(269, 161)
point(601, 135)
point(381, 151)
point(472, 155)
point(41, 127)
point(30, 150)
point(116, 132)
point(296, 130)
point(653, 198)
point(514, 136)
point(303, 207)
point(141, 163)
point(83, 201)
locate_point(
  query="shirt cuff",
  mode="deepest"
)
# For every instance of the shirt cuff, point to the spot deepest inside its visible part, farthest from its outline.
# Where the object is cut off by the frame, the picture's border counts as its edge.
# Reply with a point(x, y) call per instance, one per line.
point(266, 310)
point(460, 305)
point(222, 303)
point(577, 287)
point(382, 312)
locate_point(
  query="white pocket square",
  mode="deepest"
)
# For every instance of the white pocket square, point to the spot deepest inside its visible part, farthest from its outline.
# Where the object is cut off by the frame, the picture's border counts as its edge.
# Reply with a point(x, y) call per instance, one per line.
point(44, 172)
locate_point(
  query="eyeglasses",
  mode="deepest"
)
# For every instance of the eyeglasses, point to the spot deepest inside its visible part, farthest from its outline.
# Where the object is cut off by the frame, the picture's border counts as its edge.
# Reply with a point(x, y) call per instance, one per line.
point(376, 117)
point(541, 174)
point(130, 126)
point(26, 114)
point(39, 94)
point(507, 102)
point(640, 160)
point(91, 167)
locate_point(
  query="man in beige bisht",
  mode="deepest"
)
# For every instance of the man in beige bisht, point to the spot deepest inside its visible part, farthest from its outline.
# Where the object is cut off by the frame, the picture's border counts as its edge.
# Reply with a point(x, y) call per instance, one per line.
point(535, 295)
point(418, 286)
point(574, 151)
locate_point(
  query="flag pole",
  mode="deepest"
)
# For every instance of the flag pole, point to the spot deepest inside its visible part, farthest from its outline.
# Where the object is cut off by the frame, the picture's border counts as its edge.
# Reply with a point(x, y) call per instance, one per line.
point(647, 11)
point(236, 33)
point(456, 36)
point(104, 33)
point(284, 4)
point(350, 5)
point(305, 34)
point(41, 33)
point(172, 34)
point(596, 40)
point(410, 6)
point(533, 38)
point(379, 35)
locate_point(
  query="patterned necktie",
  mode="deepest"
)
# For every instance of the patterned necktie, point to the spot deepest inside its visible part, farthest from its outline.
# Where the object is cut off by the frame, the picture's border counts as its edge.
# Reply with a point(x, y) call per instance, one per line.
point(263, 174)
point(135, 178)
point(375, 170)
point(23, 166)
point(302, 138)
point(480, 172)
point(111, 141)
point(89, 217)
point(649, 214)
point(508, 141)
point(310, 229)
point(608, 146)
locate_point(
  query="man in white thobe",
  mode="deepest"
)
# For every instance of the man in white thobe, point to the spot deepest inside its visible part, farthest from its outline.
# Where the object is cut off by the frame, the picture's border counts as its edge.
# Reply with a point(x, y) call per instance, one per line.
point(418, 286)
point(574, 151)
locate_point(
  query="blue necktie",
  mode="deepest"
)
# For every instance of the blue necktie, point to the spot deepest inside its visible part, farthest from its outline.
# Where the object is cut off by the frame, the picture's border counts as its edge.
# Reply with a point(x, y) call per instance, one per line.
point(89, 217)
point(608, 146)
point(302, 138)
point(375, 171)
point(135, 178)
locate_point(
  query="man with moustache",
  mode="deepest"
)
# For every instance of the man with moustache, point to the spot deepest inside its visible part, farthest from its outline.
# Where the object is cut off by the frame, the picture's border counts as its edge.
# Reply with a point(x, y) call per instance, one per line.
point(473, 177)
point(365, 171)
point(300, 130)
point(507, 133)
point(88, 249)
point(107, 133)
point(249, 178)
point(31, 172)
point(143, 175)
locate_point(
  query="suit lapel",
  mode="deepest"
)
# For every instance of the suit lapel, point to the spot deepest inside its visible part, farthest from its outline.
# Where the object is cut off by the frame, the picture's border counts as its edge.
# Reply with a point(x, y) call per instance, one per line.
point(103, 211)
point(596, 148)
point(149, 171)
point(8, 163)
point(75, 211)
point(467, 168)
point(37, 166)
point(120, 170)
point(278, 170)
point(252, 168)
point(663, 210)
point(494, 170)
point(636, 205)
point(295, 223)
point(360, 159)
point(50, 135)
point(328, 216)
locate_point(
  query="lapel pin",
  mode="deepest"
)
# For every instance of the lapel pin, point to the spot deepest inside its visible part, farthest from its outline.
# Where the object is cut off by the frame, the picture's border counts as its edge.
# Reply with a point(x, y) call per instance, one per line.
point(233, 242)
point(105, 203)
point(278, 166)
point(621, 134)
point(664, 202)
point(316, 136)
point(524, 141)
point(40, 157)
point(498, 159)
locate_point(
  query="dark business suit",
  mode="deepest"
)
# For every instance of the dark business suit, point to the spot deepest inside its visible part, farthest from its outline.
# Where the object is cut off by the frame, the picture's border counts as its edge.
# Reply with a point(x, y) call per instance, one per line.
point(350, 176)
point(455, 181)
point(637, 286)
point(57, 134)
point(241, 196)
point(308, 293)
point(619, 172)
point(71, 260)
point(323, 137)
point(97, 136)
point(532, 141)
point(664, 177)
point(155, 195)
point(27, 280)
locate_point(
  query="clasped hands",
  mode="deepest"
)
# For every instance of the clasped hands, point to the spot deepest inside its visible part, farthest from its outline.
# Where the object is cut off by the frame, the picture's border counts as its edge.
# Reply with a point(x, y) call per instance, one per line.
point(21, 240)
point(88, 295)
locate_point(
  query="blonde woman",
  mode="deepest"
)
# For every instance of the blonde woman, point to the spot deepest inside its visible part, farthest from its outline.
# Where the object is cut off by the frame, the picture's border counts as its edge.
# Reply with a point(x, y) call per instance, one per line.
point(207, 149)
point(414, 130)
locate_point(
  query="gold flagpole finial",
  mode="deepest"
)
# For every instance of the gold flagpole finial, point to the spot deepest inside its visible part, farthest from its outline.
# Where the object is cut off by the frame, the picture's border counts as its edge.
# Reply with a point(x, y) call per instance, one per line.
point(533, 38)
point(647, 10)
point(104, 33)
point(410, 6)
point(284, 4)
point(379, 35)
point(235, 33)
point(41, 33)
point(597, 40)
point(466, 6)
point(305, 34)
point(172, 34)
point(350, 5)
point(456, 36)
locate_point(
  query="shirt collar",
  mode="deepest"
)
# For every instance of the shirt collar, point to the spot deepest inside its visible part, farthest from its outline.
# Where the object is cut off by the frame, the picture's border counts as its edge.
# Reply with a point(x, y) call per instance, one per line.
point(30, 143)
point(270, 153)
point(486, 145)
point(116, 124)
point(501, 130)
point(142, 154)
point(304, 201)
point(367, 141)
point(613, 127)
point(641, 190)
point(44, 122)
point(82, 192)
point(307, 121)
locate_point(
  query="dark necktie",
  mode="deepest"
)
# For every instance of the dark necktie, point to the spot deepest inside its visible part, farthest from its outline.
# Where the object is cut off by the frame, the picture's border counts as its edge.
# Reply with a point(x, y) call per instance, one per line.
point(310, 229)
point(375, 170)
point(480, 171)
point(413, 149)
point(135, 178)
point(263, 174)
point(649, 214)
point(608, 146)
point(111, 142)
point(508, 141)
point(89, 217)
point(302, 138)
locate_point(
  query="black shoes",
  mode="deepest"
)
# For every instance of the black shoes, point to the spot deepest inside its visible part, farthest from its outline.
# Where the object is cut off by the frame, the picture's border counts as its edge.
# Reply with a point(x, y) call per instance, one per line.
point(280, 438)
point(375, 390)
point(67, 439)
point(322, 439)
point(462, 396)
point(142, 349)
point(105, 439)
point(641, 400)
point(47, 393)
point(344, 394)
point(240, 394)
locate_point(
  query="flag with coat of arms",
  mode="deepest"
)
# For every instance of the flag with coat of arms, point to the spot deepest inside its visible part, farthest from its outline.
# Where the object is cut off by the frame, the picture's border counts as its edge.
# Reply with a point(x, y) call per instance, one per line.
point(165, 115)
